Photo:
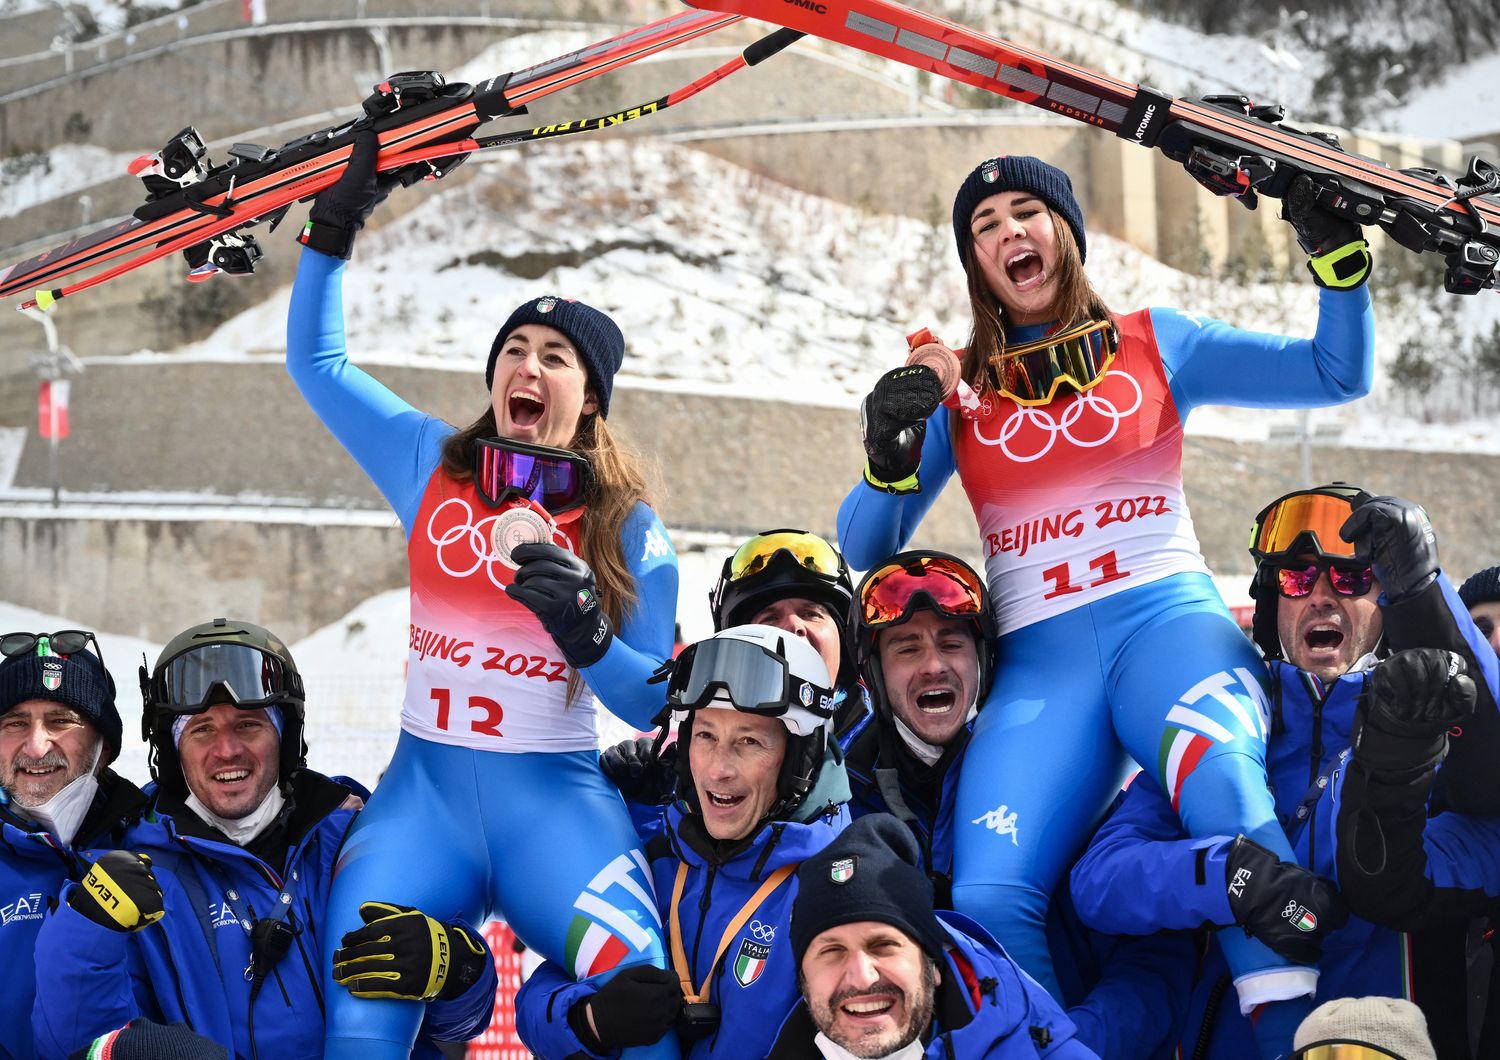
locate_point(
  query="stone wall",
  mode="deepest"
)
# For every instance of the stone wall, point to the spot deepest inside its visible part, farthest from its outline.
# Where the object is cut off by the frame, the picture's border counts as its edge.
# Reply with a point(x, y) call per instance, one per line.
point(727, 465)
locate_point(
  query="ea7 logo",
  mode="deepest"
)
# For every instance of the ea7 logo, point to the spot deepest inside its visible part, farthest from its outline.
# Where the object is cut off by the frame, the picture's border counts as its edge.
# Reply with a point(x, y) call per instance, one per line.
point(1237, 885)
point(221, 915)
point(26, 907)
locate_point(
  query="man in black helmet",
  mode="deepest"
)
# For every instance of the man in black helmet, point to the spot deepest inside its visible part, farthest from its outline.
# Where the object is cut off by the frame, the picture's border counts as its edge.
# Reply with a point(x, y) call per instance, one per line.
point(60, 803)
point(923, 632)
point(211, 915)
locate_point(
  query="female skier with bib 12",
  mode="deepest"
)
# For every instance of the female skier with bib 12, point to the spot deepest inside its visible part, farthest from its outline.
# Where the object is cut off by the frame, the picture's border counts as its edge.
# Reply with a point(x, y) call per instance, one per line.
point(1066, 433)
point(539, 577)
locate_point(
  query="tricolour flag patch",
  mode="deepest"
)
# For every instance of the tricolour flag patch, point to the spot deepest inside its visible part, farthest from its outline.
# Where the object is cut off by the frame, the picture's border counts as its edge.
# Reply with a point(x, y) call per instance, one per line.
point(592, 949)
point(750, 962)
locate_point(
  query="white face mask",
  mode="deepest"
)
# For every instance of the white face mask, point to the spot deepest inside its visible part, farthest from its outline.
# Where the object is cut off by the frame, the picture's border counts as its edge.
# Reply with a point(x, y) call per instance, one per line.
point(63, 814)
point(246, 828)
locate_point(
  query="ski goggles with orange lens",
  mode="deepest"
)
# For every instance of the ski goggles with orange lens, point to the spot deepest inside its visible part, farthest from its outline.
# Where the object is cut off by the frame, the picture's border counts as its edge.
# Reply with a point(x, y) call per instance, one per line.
point(557, 479)
point(1305, 521)
point(1342, 1051)
point(951, 587)
point(808, 550)
point(1299, 579)
point(1033, 372)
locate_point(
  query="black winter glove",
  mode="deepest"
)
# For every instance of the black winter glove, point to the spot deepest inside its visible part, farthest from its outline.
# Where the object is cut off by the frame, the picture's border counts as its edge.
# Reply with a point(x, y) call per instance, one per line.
point(1285, 906)
point(119, 892)
point(636, 1007)
point(1338, 256)
point(1410, 702)
point(641, 775)
point(340, 211)
point(894, 421)
point(403, 953)
point(1398, 539)
point(558, 587)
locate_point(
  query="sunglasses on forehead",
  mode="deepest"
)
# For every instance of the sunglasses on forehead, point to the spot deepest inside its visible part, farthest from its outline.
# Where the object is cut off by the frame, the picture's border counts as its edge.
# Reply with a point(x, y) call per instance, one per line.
point(1297, 579)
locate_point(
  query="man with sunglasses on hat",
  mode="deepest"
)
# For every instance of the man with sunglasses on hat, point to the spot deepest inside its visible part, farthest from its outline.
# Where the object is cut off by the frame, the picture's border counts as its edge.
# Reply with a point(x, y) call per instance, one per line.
point(760, 786)
point(60, 803)
point(923, 630)
point(1342, 579)
point(212, 913)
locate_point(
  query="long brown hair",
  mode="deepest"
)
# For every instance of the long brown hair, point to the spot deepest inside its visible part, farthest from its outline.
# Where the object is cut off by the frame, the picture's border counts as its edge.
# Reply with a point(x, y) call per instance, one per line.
point(1076, 301)
point(619, 483)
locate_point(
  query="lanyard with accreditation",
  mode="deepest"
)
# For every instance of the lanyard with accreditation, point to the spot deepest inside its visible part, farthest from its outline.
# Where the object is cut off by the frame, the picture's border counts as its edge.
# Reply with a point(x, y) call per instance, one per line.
point(700, 1015)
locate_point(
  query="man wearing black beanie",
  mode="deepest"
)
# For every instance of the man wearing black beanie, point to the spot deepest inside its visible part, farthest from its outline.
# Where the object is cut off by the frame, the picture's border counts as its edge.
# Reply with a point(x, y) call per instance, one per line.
point(885, 975)
point(60, 803)
point(1480, 593)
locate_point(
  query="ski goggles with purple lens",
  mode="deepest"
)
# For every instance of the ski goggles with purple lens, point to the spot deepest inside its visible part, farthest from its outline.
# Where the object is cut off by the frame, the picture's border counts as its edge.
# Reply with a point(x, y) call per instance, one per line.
point(557, 479)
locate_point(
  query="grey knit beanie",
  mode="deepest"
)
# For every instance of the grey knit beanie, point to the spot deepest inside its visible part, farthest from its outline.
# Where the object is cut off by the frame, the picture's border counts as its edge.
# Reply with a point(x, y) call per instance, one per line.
point(1387, 1023)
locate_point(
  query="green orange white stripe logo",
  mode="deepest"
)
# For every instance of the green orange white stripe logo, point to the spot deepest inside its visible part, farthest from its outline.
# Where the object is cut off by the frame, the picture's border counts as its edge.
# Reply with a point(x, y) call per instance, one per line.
point(602, 934)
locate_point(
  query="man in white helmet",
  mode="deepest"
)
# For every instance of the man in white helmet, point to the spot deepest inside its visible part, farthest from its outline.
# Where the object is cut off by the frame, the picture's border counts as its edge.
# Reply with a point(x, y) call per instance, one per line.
point(760, 787)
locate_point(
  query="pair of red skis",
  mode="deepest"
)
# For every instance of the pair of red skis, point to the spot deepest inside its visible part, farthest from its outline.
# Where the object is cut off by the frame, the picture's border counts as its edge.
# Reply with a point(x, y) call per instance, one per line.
point(1229, 144)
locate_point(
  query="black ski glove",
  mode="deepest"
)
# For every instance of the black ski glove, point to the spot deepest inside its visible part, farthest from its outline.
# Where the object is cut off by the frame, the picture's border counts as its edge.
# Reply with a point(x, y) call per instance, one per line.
point(1410, 702)
point(340, 211)
point(636, 1007)
point(403, 953)
point(1398, 539)
point(894, 421)
point(641, 775)
point(1337, 254)
point(558, 587)
point(119, 892)
point(1287, 907)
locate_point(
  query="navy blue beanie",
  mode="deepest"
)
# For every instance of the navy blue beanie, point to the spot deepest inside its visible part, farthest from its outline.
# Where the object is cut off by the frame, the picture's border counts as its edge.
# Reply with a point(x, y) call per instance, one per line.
point(1481, 587)
point(596, 337)
point(1017, 173)
point(78, 681)
point(872, 871)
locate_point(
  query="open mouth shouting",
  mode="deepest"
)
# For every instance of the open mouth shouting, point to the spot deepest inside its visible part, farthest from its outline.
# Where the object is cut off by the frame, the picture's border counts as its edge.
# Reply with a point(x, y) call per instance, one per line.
point(525, 409)
point(1025, 270)
point(937, 701)
point(721, 801)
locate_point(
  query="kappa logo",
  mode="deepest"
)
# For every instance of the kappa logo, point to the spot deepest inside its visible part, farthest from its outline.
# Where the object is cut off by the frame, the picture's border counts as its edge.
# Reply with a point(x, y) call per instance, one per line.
point(26, 907)
point(750, 962)
point(656, 544)
point(1000, 822)
point(1237, 885)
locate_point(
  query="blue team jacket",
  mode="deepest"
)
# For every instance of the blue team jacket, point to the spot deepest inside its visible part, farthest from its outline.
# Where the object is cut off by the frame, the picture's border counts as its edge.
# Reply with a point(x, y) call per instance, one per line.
point(33, 869)
point(754, 984)
point(190, 965)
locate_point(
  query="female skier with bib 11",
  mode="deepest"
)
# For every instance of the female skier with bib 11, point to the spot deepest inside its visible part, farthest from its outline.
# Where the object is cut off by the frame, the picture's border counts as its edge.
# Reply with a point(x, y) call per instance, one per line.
point(539, 577)
point(1066, 433)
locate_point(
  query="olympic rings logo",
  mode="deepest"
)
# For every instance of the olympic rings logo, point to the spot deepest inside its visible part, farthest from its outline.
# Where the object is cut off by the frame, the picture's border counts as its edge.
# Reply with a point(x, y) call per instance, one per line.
point(762, 932)
point(1041, 420)
point(460, 534)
